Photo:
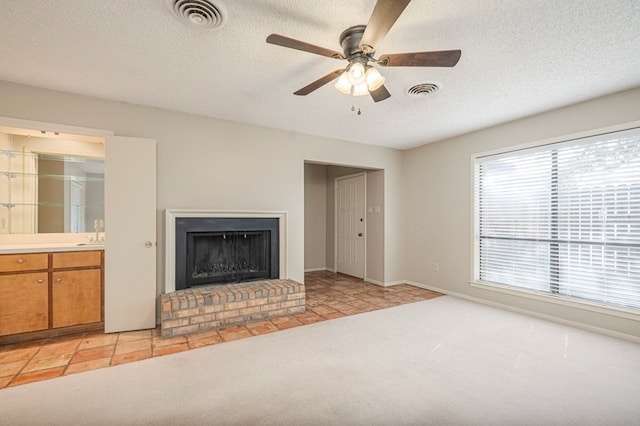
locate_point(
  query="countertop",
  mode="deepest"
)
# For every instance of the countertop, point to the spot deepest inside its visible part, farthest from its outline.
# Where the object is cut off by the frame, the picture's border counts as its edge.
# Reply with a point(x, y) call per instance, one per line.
point(48, 247)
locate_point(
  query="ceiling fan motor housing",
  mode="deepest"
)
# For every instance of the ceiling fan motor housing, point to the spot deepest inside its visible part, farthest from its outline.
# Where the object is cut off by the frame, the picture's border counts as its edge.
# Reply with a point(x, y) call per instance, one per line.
point(350, 40)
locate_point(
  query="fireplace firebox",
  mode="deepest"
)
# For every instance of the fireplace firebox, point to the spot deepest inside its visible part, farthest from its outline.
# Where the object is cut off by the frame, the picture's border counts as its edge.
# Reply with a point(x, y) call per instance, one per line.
point(225, 250)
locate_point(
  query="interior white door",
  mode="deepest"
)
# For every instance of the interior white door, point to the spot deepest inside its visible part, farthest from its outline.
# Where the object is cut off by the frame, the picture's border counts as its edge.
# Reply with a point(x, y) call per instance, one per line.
point(350, 225)
point(130, 234)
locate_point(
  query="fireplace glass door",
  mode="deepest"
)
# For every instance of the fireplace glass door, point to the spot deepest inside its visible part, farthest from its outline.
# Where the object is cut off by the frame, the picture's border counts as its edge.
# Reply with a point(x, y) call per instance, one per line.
point(222, 257)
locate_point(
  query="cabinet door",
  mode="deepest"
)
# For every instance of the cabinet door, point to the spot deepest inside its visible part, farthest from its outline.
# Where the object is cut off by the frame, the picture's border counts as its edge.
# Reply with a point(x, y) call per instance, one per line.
point(24, 303)
point(76, 297)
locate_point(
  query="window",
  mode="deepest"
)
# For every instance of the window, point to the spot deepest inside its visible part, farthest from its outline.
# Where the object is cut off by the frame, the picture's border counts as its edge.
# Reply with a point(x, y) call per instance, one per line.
point(563, 219)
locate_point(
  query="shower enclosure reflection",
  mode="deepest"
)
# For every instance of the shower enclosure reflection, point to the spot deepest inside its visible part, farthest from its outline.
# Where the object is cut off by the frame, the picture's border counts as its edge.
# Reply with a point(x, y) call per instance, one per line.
point(50, 183)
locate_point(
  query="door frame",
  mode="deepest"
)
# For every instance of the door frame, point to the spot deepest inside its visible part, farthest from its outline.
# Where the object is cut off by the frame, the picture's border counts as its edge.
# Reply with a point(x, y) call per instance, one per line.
point(335, 222)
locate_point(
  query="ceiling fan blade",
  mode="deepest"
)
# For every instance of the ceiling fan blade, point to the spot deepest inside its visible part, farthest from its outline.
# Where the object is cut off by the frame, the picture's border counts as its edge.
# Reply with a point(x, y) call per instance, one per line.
point(380, 94)
point(384, 15)
point(318, 83)
point(301, 45)
point(442, 58)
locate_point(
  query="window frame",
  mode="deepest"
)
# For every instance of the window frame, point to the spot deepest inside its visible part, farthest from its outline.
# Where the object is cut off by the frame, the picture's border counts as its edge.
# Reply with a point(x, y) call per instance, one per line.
point(557, 299)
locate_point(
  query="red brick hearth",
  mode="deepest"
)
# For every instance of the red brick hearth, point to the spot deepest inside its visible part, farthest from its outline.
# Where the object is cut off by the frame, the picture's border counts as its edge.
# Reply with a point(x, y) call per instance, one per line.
point(205, 308)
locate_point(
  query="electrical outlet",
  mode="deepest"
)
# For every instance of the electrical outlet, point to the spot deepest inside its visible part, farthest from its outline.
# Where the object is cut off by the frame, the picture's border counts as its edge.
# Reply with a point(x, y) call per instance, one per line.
point(436, 267)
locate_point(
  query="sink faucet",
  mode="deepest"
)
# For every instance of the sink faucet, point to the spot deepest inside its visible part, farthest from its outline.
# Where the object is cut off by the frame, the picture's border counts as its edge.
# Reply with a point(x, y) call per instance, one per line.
point(97, 225)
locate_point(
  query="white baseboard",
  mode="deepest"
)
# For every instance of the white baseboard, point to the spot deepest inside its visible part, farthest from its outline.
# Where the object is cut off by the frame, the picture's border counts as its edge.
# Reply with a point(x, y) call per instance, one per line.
point(551, 318)
point(368, 280)
point(317, 269)
point(432, 288)
point(372, 281)
point(392, 283)
point(383, 284)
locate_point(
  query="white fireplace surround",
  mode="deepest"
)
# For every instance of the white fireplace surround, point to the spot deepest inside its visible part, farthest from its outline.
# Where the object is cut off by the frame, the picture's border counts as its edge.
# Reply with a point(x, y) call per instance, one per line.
point(170, 236)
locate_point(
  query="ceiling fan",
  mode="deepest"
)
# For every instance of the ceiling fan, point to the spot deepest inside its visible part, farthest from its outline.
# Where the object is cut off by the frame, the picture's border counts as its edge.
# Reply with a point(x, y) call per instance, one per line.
point(359, 44)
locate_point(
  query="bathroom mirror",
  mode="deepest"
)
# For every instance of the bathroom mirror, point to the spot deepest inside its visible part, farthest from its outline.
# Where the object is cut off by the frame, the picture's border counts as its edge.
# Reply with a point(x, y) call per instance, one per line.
point(50, 182)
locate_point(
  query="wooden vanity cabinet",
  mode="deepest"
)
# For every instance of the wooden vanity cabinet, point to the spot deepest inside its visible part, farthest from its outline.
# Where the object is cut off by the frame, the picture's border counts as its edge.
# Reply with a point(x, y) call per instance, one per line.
point(76, 296)
point(24, 293)
point(24, 303)
point(49, 294)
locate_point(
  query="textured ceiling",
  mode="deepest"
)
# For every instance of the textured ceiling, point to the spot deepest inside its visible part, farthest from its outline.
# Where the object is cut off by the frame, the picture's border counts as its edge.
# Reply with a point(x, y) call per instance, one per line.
point(518, 58)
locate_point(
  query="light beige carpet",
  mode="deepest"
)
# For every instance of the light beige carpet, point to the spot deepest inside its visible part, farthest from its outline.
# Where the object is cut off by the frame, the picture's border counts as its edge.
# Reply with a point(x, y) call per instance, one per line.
point(443, 361)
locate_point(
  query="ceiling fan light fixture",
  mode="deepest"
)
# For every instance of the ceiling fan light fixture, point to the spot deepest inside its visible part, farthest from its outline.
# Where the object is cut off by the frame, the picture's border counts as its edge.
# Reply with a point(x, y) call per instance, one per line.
point(360, 89)
point(373, 78)
point(356, 73)
point(343, 85)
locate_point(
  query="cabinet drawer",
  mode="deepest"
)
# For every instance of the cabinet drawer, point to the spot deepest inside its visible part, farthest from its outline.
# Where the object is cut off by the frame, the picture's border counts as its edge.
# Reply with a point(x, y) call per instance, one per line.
point(24, 303)
point(77, 259)
point(23, 262)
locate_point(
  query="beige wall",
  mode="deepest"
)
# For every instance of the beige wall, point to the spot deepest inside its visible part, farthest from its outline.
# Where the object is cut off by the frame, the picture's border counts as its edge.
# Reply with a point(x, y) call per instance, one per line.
point(214, 164)
point(438, 203)
point(315, 216)
point(375, 226)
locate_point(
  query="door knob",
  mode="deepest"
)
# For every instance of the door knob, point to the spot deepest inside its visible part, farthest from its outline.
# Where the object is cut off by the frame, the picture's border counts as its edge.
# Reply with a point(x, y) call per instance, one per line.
point(148, 244)
point(359, 234)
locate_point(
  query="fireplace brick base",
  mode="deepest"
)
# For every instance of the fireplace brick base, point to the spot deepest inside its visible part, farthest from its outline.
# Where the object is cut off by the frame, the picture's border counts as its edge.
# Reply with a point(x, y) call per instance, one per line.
point(201, 309)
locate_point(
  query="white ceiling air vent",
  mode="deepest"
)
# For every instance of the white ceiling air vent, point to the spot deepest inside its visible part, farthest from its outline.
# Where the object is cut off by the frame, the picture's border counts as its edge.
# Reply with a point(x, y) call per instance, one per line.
point(423, 89)
point(199, 13)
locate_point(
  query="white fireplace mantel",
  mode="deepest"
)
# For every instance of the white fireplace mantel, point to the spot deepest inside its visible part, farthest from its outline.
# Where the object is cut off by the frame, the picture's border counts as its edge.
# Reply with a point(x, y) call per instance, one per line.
point(170, 236)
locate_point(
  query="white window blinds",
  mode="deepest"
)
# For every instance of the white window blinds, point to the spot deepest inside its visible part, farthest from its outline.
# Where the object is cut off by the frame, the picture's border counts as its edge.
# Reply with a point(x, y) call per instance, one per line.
point(563, 219)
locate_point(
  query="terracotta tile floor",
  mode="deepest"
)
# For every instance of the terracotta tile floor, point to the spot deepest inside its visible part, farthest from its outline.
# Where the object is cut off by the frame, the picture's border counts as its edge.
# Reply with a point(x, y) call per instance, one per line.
point(329, 296)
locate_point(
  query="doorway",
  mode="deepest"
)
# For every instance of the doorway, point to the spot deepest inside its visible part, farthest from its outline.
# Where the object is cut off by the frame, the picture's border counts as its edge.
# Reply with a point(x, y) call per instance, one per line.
point(320, 218)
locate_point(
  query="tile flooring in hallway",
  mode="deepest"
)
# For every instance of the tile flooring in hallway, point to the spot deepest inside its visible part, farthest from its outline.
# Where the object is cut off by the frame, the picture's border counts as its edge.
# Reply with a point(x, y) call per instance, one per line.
point(329, 296)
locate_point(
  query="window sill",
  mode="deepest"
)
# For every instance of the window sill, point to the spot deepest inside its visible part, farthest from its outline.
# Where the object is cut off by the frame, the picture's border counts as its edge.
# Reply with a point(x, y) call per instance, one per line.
point(558, 300)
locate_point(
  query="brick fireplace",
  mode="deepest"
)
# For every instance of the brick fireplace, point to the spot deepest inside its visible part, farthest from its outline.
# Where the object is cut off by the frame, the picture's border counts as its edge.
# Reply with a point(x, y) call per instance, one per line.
point(225, 268)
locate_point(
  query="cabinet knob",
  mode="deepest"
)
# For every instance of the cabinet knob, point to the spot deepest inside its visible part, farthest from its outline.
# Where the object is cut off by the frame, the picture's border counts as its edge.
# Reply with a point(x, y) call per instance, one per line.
point(148, 244)
point(20, 261)
point(58, 279)
point(40, 281)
